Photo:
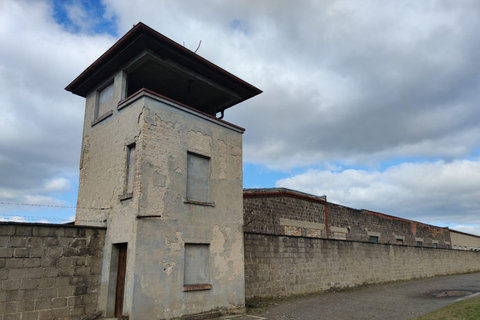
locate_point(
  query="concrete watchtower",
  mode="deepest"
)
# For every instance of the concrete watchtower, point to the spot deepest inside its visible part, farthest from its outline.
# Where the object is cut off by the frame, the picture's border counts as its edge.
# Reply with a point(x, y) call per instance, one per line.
point(169, 171)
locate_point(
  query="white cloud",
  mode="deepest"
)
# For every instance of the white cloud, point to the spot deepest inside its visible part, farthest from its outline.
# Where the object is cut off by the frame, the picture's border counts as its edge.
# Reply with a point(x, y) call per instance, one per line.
point(78, 16)
point(41, 123)
point(58, 185)
point(468, 229)
point(352, 82)
point(429, 192)
point(346, 84)
point(13, 219)
point(43, 200)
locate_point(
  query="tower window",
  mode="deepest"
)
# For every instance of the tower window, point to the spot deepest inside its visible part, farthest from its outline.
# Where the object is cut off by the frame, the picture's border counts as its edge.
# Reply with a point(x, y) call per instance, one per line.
point(130, 174)
point(196, 267)
point(198, 178)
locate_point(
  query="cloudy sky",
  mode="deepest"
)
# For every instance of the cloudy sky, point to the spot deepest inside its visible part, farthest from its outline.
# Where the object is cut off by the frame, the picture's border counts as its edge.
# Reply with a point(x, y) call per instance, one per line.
point(372, 103)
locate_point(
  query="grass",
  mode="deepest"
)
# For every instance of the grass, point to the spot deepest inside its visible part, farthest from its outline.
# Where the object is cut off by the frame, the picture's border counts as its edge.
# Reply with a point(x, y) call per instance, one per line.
point(468, 309)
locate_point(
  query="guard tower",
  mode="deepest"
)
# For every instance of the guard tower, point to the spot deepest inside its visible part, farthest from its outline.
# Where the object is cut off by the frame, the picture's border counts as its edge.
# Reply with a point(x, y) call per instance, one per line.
point(157, 155)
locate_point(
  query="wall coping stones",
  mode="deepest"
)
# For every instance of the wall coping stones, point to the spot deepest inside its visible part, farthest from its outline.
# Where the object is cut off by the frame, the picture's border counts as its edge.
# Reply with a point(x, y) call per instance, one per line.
point(36, 224)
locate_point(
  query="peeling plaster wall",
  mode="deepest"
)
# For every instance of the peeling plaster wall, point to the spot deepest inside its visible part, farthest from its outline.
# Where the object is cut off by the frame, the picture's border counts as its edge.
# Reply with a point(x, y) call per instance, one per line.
point(103, 159)
point(163, 134)
point(168, 134)
point(102, 182)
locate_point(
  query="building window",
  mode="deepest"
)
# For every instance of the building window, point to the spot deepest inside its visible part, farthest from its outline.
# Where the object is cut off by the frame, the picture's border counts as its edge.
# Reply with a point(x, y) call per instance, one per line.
point(104, 100)
point(373, 239)
point(435, 245)
point(399, 241)
point(198, 178)
point(448, 246)
point(196, 275)
point(419, 243)
point(454, 246)
point(130, 170)
point(339, 235)
point(103, 103)
point(128, 185)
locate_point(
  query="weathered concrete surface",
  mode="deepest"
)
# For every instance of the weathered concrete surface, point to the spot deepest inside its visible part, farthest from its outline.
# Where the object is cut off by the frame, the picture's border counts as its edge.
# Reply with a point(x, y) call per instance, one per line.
point(396, 301)
point(168, 134)
point(158, 219)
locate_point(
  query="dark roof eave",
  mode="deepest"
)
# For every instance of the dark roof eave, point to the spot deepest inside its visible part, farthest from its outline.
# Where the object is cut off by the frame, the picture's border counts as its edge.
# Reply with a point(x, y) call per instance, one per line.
point(141, 35)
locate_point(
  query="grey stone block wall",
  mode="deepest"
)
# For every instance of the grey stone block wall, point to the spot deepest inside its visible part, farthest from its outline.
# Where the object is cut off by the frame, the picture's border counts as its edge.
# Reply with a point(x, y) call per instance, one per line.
point(286, 265)
point(49, 271)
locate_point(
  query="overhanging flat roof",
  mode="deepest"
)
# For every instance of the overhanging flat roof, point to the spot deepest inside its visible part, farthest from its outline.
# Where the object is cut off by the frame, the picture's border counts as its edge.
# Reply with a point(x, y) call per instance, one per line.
point(218, 88)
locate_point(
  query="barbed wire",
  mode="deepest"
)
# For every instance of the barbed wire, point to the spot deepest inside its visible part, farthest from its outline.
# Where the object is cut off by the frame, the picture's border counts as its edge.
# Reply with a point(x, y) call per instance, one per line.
point(9, 216)
point(49, 219)
point(52, 206)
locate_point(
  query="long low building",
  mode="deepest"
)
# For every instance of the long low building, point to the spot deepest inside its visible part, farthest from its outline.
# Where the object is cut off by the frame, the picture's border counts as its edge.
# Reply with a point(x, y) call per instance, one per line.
point(464, 241)
point(282, 211)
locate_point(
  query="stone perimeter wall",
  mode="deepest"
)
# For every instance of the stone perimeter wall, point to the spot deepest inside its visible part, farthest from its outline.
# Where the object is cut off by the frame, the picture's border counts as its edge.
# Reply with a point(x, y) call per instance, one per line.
point(49, 271)
point(286, 265)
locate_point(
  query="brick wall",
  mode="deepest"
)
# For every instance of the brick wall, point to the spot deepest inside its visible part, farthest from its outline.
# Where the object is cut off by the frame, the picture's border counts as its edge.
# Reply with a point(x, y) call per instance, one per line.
point(286, 265)
point(282, 211)
point(263, 209)
point(49, 271)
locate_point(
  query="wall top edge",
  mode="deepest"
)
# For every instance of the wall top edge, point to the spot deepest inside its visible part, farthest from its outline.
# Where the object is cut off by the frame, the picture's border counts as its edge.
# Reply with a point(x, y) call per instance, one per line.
point(35, 224)
point(145, 93)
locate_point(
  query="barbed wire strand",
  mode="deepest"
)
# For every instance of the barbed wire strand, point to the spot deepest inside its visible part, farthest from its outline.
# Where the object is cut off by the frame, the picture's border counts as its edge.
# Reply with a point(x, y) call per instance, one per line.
point(52, 206)
point(49, 219)
point(44, 218)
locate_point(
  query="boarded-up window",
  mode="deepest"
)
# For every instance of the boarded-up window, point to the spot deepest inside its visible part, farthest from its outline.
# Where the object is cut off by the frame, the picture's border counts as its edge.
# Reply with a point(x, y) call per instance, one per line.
point(130, 173)
point(104, 101)
point(339, 235)
point(198, 177)
point(196, 264)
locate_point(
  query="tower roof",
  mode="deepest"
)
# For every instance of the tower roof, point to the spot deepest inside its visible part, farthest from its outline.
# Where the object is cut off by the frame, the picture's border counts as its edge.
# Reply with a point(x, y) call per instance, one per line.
point(157, 63)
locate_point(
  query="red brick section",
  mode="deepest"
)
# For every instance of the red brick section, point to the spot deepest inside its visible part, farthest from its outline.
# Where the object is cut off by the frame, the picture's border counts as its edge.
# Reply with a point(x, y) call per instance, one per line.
point(263, 209)
point(196, 287)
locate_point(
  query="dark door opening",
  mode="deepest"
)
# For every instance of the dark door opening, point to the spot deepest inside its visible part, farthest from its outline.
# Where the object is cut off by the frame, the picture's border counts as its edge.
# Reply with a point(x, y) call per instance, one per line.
point(121, 270)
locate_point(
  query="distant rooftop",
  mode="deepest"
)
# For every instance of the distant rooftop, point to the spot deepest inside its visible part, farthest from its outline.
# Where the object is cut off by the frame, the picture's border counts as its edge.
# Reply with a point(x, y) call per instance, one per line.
point(155, 62)
point(280, 192)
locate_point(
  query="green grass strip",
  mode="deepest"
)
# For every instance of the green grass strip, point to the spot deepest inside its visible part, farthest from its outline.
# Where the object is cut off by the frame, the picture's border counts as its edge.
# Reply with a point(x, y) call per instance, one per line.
point(468, 309)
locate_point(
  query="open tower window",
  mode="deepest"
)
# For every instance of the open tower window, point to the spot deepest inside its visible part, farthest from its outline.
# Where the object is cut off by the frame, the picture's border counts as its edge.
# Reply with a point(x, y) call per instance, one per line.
point(166, 77)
